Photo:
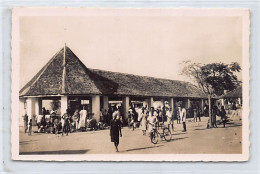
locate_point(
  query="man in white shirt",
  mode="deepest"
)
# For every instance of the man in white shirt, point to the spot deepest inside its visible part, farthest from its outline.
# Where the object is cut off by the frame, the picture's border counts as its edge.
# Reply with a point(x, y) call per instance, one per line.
point(183, 118)
point(169, 118)
point(139, 112)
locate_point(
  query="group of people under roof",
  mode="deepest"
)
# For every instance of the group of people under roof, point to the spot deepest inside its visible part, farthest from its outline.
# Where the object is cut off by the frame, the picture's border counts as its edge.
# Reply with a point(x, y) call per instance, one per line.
point(76, 121)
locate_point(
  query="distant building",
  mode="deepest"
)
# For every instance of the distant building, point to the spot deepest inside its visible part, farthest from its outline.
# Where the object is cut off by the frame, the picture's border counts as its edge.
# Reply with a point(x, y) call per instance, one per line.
point(67, 79)
point(231, 97)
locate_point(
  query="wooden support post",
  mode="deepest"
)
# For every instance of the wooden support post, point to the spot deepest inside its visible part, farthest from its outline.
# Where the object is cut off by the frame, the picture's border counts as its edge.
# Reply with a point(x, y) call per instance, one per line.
point(125, 107)
point(96, 107)
point(64, 104)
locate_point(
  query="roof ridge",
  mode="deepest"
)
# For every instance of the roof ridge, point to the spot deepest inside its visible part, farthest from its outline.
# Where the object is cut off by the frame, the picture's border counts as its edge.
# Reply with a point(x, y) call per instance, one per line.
point(64, 70)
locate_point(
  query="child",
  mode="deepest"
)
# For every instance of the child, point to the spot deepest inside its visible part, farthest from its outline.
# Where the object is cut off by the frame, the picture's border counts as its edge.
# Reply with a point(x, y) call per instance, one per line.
point(30, 127)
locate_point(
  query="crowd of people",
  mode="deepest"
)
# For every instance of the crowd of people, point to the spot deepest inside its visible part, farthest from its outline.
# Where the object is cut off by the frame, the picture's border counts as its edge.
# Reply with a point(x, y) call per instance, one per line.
point(79, 120)
point(146, 118)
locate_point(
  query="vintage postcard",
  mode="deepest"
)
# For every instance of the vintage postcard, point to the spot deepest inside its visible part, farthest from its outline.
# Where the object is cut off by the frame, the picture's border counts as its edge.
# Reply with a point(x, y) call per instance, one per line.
point(125, 84)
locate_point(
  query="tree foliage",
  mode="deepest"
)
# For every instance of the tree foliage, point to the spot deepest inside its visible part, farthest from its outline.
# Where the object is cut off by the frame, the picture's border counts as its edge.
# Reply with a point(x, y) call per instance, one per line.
point(213, 78)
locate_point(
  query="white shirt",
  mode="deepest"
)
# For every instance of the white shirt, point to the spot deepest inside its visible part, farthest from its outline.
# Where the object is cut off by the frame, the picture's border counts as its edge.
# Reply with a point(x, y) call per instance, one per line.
point(183, 115)
point(169, 114)
point(139, 111)
point(83, 114)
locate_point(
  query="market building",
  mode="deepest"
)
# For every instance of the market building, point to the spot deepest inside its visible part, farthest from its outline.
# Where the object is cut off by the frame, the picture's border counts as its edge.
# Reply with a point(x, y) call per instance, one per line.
point(67, 80)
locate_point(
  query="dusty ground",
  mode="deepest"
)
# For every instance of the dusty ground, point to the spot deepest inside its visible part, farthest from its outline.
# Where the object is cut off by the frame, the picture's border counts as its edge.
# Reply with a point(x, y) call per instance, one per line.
point(197, 139)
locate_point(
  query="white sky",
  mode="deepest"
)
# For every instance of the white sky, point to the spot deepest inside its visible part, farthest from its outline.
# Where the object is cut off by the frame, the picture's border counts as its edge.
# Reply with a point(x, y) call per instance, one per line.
point(142, 45)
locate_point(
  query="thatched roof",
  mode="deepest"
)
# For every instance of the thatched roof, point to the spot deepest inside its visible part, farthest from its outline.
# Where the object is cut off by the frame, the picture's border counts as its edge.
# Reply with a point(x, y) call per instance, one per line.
point(149, 86)
point(68, 75)
point(236, 93)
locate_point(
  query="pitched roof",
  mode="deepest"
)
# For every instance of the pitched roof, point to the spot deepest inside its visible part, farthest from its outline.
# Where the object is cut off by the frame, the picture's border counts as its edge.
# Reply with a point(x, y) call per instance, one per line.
point(66, 74)
point(236, 93)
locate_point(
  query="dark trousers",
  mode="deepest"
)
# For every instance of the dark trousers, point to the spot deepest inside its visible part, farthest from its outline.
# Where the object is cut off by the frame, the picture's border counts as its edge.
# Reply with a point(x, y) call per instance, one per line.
point(199, 119)
point(184, 126)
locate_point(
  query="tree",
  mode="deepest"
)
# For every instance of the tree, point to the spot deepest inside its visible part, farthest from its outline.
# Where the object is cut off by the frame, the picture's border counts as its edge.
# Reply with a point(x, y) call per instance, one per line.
point(213, 78)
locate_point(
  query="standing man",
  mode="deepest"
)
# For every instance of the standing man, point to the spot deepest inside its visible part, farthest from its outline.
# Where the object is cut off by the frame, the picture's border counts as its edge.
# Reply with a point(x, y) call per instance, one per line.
point(76, 119)
point(199, 113)
point(25, 123)
point(65, 122)
point(30, 127)
point(44, 112)
point(183, 118)
point(139, 115)
point(169, 118)
point(214, 116)
point(179, 114)
point(223, 115)
point(132, 119)
point(195, 113)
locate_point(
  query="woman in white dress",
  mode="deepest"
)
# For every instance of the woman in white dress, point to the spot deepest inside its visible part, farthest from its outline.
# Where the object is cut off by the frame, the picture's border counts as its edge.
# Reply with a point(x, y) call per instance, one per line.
point(143, 120)
point(82, 120)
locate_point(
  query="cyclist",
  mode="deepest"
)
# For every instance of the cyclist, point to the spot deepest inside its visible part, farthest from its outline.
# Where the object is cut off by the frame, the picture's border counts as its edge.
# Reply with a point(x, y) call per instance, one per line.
point(152, 120)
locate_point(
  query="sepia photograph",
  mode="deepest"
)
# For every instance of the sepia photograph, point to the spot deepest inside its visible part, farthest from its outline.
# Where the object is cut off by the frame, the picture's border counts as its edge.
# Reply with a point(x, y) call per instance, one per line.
point(115, 84)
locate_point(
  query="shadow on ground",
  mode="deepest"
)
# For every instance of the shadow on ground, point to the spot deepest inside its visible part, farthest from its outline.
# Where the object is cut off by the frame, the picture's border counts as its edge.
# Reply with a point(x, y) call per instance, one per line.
point(178, 133)
point(27, 142)
point(142, 148)
point(55, 152)
point(221, 126)
point(174, 139)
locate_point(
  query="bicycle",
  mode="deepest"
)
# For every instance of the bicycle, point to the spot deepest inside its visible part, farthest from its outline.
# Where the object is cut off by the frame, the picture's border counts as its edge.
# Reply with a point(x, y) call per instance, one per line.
point(155, 134)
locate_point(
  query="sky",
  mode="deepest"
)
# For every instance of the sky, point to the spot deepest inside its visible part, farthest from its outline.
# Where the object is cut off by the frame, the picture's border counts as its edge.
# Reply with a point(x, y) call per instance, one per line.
point(142, 45)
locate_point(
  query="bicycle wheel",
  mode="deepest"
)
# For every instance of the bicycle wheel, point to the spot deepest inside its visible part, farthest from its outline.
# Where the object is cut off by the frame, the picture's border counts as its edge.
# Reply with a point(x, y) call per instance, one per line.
point(154, 137)
point(167, 134)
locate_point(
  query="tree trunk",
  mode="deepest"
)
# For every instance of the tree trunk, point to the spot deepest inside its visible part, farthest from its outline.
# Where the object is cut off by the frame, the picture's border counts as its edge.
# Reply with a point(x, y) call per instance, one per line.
point(210, 113)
